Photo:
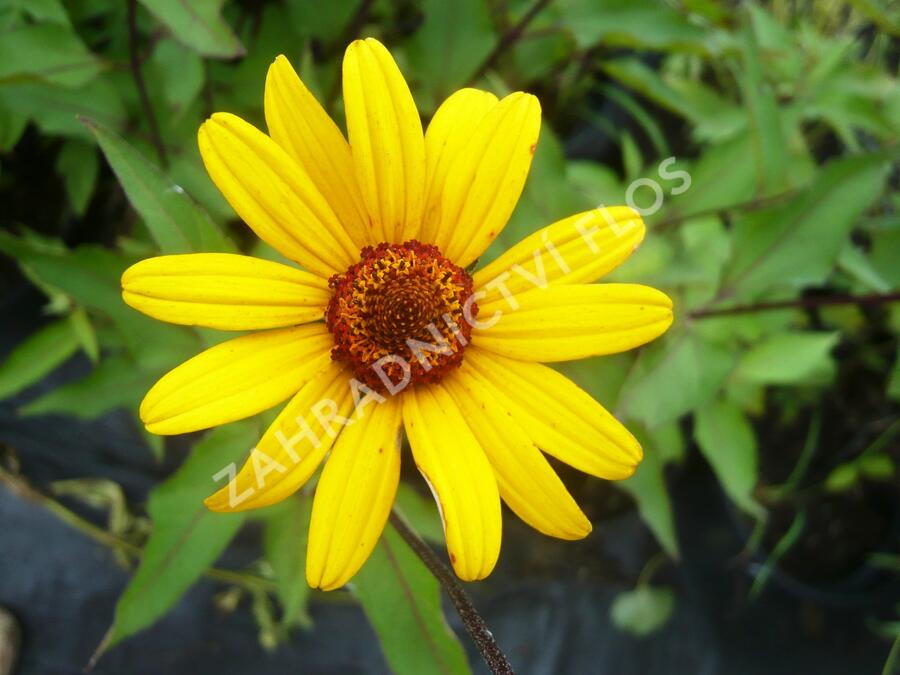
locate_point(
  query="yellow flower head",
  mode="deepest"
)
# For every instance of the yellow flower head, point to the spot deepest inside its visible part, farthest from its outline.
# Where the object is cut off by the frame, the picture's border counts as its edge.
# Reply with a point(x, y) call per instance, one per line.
point(384, 328)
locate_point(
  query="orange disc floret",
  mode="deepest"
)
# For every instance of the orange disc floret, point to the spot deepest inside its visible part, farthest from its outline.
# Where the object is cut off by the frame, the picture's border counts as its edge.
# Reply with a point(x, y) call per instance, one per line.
point(402, 315)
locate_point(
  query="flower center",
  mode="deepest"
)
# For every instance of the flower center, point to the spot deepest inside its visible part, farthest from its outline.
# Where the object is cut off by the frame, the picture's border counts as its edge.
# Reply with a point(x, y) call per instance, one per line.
point(401, 315)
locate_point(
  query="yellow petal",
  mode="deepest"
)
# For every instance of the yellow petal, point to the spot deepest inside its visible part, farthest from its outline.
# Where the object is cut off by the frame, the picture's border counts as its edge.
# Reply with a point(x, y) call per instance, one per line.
point(449, 134)
point(457, 471)
point(486, 177)
point(354, 496)
point(562, 419)
point(300, 125)
point(236, 379)
point(563, 323)
point(385, 139)
point(293, 446)
point(576, 250)
point(224, 291)
point(527, 482)
point(274, 195)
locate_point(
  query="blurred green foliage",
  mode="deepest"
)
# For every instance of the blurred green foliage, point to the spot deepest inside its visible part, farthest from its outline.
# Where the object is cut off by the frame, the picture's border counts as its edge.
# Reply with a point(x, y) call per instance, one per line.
point(785, 116)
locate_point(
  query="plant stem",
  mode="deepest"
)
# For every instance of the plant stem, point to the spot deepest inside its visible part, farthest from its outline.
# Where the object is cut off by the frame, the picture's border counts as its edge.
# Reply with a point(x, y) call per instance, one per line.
point(650, 569)
point(138, 76)
point(508, 39)
point(806, 302)
point(781, 548)
point(806, 456)
point(490, 651)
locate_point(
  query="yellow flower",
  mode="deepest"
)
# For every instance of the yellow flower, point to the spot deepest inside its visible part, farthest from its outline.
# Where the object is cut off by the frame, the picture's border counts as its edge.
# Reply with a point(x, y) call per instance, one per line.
point(384, 328)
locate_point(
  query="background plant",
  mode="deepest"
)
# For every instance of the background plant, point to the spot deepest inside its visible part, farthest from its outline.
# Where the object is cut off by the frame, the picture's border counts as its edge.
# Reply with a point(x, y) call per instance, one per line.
point(783, 256)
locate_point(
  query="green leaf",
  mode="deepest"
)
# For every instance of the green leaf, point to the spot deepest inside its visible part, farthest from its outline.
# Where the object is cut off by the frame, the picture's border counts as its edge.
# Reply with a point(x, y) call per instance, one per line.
point(674, 376)
point(49, 52)
point(632, 23)
point(591, 184)
point(55, 109)
point(114, 383)
point(421, 513)
point(642, 116)
point(727, 441)
point(747, 396)
point(746, 328)
point(321, 20)
point(648, 488)
point(636, 74)
point(240, 83)
point(883, 253)
point(453, 40)
point(893, 387)
point(720, 178)
point(714, 116)
point(177, 72)
point(631, 157)
point(12, 126)
point(77, 164)
point(90, 276)
point(187, 170)
point(796, 244)
point(186, 538)
point(51, 11)
point(842, 478)
point(878, 467)
point(769, 148)
point(781, 53)
point(707, 247)
point(651, 264)
point(668, 441)
point(855, 263)
point(538, 57)
point(644, 610)
point(84, 330)
point(198, 25)
point(176, 222)
point(403, 603)
point(286, 535)
point(36, 356)
point(547, 197)
point(789, 358)
point(601, 376)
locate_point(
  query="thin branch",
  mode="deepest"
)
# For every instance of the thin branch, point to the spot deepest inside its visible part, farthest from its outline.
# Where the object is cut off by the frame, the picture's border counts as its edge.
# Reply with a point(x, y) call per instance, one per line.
point(509, 38)
point(499, 10)
point(138, 76)
point(805, 302)
point(490, 651)
point(546, 31)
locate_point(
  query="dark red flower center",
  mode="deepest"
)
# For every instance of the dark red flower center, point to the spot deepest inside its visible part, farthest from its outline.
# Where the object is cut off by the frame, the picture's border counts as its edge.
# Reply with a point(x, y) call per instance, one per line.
point(401, 315)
